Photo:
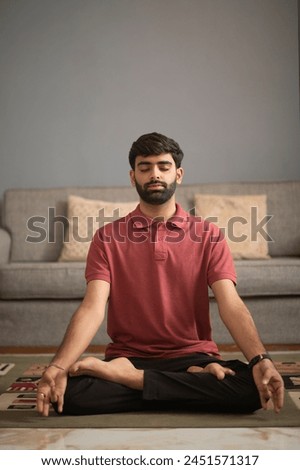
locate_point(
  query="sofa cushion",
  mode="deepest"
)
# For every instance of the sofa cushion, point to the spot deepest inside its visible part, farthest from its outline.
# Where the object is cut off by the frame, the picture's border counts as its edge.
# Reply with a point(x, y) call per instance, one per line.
point(282, 205)
point(273, 277)
point(36, 218)
point(85, 217)
point(42, 281)
point(5, 242)
point(277, 276)
point(235, 216)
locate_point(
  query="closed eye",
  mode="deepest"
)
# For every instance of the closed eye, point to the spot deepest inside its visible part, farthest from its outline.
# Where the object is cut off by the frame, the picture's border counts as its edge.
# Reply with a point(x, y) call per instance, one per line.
point(165, 166)
point(146, 166)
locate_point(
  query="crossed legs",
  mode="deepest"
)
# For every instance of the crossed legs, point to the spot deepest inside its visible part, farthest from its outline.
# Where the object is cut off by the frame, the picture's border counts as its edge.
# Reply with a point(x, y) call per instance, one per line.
point(186, 383)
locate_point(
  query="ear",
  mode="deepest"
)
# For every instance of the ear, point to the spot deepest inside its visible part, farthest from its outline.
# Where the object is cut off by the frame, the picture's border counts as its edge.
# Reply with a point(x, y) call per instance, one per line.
point(179, 175)
point(132, 177)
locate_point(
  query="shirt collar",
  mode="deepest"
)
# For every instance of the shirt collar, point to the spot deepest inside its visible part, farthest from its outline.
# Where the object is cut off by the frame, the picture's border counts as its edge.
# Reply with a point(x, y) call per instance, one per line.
point(140, 220)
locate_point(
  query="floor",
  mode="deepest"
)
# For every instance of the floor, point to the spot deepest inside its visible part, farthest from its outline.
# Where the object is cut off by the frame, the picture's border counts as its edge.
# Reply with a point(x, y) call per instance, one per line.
point(144, 438)
point(94, 439)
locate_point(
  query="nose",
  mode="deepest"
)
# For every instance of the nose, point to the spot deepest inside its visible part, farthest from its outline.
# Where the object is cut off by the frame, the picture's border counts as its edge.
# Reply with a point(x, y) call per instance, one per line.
point(155, 173)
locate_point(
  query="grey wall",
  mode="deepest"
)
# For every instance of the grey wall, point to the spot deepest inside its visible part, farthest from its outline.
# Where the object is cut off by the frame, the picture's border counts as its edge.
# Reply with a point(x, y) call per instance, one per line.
point(81, 79)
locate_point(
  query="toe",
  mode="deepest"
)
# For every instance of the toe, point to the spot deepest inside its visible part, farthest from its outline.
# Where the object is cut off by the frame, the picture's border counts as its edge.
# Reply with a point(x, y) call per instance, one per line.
point(195, 369)
point(74, 369)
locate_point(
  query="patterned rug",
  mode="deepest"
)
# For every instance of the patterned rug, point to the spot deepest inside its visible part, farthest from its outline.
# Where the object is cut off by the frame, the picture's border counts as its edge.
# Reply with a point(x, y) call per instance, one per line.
point(19, 376)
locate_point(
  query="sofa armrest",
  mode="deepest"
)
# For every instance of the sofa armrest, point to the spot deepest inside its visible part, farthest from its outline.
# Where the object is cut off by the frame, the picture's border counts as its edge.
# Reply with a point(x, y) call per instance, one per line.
point(5, 242)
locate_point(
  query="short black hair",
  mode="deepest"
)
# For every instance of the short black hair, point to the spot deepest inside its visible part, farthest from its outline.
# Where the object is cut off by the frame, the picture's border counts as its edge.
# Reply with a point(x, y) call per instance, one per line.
point(155, 144)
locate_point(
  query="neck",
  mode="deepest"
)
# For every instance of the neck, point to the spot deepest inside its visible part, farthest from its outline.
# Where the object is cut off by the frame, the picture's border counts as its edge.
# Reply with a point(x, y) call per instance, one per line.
point(163, 211)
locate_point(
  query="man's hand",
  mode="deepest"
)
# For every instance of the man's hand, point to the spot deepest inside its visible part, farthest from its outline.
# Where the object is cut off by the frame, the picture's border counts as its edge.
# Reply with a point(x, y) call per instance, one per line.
point(269, 384)
point(51, 388)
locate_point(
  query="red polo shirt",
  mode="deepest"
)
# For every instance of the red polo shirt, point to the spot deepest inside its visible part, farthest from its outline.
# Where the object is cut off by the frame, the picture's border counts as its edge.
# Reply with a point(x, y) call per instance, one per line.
point(159, 275)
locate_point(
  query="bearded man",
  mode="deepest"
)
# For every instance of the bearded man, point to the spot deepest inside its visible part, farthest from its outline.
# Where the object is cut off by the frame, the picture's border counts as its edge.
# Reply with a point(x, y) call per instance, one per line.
point(155, 276)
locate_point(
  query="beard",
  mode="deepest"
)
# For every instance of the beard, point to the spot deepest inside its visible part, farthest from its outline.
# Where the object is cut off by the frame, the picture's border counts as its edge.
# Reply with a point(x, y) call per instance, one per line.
point(156, 196)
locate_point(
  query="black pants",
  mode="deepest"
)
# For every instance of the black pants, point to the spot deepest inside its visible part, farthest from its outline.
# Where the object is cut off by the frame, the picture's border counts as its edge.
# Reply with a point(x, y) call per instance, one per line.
point(167, 386)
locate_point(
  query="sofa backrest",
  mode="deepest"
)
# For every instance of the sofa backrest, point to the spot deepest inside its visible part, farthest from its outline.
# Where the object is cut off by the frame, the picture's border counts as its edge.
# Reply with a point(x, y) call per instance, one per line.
point(40, 214)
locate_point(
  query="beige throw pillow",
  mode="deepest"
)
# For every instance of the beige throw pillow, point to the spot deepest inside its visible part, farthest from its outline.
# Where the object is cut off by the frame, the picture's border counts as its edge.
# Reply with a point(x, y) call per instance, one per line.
point(85, 217)
point(239, 217)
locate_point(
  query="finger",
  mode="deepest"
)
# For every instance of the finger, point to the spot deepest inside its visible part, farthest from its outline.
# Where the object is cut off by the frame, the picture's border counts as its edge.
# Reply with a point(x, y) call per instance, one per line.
point(42, 403)
point(40, 397)
point(60, 403)
point(53, 394)
point(278, 397)
point(276, 385)
point(46, 407)
point(264, 398)
point(264, 393)
point(264, 390)
point(278, 402)
point(58, 397)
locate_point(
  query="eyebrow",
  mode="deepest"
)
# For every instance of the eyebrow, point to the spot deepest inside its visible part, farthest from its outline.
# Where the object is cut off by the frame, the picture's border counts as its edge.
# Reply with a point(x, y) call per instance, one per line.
point(161, 162)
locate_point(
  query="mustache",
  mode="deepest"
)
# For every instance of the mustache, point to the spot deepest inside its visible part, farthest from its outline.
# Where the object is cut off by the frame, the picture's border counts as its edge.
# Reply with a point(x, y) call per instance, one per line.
point(161, 183)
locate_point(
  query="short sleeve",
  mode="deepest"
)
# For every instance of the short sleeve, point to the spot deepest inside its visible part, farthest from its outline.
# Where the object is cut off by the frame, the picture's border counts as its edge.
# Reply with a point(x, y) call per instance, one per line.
point(221, 265)
point(97, 265)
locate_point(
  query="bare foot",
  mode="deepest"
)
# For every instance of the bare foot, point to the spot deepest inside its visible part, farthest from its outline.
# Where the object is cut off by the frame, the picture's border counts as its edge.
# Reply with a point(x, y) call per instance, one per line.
point(195, 369)
point(213, 368)
point(119, 370)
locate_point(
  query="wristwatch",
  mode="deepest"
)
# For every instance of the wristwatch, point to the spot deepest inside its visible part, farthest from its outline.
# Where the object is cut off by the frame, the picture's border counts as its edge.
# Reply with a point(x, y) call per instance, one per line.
point(259, 358)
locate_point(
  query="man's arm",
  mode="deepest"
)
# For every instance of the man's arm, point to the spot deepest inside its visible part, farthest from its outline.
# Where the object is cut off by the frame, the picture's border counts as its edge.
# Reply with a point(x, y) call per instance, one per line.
point(240, 324)
point(81, 330)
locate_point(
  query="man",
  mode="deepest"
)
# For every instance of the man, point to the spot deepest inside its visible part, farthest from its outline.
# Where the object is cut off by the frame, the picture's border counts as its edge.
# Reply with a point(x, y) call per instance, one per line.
point(154, 266)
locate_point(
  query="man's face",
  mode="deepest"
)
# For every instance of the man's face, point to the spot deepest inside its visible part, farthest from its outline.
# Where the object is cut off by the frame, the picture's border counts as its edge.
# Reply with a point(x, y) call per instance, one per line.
point(155, 178)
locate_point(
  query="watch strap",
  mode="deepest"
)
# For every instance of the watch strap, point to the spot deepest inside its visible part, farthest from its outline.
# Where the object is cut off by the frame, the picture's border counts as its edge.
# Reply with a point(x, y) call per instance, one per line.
point(259, 358)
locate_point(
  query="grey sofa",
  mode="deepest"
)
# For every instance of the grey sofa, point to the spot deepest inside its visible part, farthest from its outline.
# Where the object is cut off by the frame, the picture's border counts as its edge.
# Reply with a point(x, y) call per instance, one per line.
point(38, 294)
